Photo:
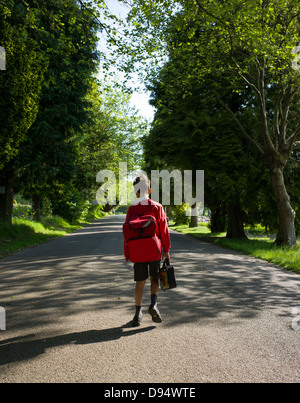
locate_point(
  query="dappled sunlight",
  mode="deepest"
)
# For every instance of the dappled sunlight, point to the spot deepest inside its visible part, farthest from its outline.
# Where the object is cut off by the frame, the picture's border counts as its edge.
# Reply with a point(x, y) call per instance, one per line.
point(79, 291)
point(88, 270)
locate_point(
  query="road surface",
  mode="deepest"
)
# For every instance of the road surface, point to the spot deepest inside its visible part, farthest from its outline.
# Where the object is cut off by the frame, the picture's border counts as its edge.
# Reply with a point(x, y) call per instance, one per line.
point(68, 302)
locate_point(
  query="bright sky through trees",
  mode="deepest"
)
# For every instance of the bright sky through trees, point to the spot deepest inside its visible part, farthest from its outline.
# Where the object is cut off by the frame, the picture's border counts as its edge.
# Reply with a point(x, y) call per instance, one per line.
point(140, 98)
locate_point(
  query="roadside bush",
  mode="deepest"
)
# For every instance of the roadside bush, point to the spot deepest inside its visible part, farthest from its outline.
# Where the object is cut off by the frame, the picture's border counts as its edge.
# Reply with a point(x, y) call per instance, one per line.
point(23, 212)
point(179, 215)
point(69, 205)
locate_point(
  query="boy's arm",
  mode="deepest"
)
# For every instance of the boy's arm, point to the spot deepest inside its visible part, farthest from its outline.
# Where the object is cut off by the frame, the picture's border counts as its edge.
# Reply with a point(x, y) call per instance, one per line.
point(164, 233)
point(126, 253)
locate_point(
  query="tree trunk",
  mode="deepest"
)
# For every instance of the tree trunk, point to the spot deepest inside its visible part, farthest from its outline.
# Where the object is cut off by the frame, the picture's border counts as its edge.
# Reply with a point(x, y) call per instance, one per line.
point(7, 193)
point(194, 218)
point(235, 229)
point(218, 219)
point(194, 222)
point(36, 206)
point(286, 230)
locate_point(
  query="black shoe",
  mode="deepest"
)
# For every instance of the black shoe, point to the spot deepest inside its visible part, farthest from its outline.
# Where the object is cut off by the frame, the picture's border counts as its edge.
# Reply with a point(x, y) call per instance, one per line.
point(137, 320)
point(154, 312)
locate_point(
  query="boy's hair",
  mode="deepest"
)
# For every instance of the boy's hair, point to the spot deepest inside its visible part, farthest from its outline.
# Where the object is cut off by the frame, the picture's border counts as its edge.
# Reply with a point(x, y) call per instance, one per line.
point(141, 185)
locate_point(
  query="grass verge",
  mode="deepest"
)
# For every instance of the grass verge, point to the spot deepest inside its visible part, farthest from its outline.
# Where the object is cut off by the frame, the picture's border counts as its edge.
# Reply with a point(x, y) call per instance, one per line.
point(258, 245)
point(25, 233)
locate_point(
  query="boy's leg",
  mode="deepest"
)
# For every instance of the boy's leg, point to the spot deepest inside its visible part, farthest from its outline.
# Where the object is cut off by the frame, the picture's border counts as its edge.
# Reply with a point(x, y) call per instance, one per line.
point(153, 291)
point(139, 288)
point(140, 277)
point(154, 275)
point(154, 286)
point(153, 310)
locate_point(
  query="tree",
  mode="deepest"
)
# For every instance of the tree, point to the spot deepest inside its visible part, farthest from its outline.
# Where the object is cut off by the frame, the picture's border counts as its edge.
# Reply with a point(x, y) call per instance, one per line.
point(112, 134)
point(266, 67)
point(248, 41)
point(194, 132)
point(64, 35)
point(20, 88)
point(292, 177)
point(46, 160)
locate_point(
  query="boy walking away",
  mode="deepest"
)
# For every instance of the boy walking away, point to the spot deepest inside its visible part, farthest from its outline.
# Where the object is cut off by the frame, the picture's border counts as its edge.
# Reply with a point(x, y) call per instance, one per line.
point(146, 234)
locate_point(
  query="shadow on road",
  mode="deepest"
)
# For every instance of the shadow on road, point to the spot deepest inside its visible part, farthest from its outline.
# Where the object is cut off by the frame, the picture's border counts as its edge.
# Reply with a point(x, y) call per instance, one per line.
point(86, 272)
point(27, 347)
point(227, 286)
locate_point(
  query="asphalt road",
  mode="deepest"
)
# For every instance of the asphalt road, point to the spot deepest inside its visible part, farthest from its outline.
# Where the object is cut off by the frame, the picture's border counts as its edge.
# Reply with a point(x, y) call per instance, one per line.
point(68, 302)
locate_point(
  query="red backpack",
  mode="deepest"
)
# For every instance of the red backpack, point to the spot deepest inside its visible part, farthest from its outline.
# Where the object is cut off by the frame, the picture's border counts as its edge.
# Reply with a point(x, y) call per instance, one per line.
point(141, 242)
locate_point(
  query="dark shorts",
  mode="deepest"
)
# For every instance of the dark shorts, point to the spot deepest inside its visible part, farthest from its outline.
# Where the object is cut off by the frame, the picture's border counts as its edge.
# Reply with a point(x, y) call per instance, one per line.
point(142, 270)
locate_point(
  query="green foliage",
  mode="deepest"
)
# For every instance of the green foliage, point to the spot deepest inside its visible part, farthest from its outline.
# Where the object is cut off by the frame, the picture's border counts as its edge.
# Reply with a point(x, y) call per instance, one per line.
point(261, 247)
point(179, 215)
point(112, 134)
point(68, 203)
point(20, 83)
point(23, 212)
point(246, 47)
point(24, 233)
point(67, 35)
point(194, 132)
point(63, 126)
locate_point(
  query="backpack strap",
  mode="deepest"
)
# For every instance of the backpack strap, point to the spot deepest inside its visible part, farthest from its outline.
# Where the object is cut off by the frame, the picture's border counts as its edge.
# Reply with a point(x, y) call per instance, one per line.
point(144, 213)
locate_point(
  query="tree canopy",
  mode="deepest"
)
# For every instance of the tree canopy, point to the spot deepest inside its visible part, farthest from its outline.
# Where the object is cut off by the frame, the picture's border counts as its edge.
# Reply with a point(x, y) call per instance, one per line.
point(55, 119)
point(21, 82)
point(249, 45)
point(224, 82)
